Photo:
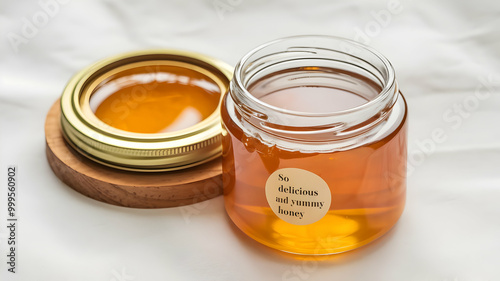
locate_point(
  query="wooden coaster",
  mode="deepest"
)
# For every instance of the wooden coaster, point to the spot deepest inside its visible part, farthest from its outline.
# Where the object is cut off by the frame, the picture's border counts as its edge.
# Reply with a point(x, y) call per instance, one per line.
point(123, 188)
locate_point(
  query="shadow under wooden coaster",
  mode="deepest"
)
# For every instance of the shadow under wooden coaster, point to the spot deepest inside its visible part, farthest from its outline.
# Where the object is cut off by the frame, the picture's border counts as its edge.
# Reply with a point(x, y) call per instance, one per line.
point(124, 188)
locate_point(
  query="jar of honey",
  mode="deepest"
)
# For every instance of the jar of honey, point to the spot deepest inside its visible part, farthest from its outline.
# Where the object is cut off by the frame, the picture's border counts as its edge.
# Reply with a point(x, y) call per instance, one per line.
point(314, 145)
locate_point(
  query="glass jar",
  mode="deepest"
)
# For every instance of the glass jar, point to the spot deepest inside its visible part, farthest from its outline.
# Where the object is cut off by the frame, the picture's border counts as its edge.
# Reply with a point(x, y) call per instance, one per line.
point(314, 145)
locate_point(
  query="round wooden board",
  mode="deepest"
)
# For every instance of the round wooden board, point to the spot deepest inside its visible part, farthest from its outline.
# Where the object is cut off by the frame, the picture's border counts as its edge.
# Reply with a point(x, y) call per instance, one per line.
point(124, 188)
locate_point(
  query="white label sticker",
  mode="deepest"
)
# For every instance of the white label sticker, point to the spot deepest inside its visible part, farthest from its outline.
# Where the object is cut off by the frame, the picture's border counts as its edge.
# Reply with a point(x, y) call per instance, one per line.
point(298, 196)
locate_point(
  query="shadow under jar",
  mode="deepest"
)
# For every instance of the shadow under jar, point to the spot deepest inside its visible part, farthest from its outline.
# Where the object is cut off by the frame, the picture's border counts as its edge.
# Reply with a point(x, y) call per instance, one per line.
point(314, 145)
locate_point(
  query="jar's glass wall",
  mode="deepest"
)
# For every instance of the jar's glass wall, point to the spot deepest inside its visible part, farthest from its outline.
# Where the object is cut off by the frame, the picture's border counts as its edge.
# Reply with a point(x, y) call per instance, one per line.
point(358, 148)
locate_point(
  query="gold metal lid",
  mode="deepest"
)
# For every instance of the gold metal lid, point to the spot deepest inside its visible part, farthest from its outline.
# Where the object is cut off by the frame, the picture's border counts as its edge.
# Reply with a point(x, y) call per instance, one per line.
point(125, 150)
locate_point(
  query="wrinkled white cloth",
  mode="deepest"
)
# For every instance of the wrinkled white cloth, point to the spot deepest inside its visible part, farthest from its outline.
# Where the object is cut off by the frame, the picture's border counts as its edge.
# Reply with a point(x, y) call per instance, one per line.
point(447, 59)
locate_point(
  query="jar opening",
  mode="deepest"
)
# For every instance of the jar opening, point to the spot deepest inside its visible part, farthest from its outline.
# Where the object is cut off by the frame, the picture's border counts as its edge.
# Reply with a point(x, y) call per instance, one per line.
point(326, 55)
point(156, 98)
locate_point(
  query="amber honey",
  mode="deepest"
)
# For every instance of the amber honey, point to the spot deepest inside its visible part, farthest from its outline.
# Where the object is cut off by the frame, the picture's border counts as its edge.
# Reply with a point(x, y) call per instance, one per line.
point(368, 192)
point(156, 99)
point(331, 126)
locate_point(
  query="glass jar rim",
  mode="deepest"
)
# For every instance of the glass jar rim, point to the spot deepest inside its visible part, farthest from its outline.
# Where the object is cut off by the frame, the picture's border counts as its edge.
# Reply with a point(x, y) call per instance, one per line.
point(389, 84)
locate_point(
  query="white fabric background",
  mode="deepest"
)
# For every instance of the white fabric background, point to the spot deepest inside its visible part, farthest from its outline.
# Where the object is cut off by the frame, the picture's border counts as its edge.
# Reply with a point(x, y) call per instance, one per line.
point(443, 51)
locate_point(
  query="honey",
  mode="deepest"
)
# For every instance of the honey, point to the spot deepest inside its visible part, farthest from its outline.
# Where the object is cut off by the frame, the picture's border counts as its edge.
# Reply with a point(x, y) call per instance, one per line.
point(314, 157)
point(156, 99)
